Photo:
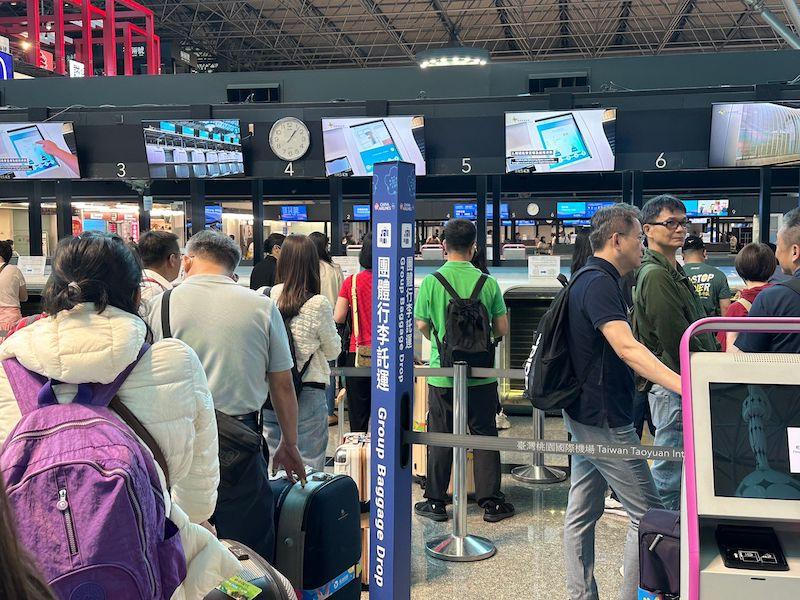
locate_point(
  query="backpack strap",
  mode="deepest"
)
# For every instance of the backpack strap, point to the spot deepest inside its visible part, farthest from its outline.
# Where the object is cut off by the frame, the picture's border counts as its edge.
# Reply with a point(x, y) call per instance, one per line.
point(140, 430)
point(33, 390)
point(478, 287)
point(166, 330)
point(449, 288)
point(746, 303)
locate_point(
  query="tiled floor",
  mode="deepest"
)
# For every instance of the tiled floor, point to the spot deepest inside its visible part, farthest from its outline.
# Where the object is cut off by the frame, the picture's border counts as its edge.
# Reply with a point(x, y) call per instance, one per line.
point(529, 562)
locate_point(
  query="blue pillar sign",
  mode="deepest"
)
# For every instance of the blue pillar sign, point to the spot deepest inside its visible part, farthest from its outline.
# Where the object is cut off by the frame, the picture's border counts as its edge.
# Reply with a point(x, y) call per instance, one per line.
point(393, 193)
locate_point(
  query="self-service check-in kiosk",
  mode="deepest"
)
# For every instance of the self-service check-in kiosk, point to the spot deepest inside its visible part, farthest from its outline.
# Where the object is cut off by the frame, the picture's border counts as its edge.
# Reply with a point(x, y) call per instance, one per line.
point(740, 526)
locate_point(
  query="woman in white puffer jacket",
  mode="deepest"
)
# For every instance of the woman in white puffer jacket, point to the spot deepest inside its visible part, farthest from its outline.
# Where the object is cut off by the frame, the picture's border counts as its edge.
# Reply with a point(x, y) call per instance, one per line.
point(309, 318)
point(92, 333)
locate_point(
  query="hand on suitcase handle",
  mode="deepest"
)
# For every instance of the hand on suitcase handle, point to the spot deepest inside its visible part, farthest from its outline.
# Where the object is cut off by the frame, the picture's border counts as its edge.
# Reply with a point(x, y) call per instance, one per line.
point(288, 457)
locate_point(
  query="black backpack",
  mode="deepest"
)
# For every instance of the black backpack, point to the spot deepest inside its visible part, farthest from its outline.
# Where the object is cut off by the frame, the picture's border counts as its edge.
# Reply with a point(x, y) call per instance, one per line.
point(550, 378)
point(467, 328)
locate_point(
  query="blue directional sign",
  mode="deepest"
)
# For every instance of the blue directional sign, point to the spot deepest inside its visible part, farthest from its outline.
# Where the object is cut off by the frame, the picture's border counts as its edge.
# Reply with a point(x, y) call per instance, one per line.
point(6, 66)
point(394, 194)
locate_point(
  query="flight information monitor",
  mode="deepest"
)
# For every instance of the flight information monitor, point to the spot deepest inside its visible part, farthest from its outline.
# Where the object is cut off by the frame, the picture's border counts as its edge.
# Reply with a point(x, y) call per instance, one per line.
point(294, 213)
point(38, 151)
point(755, 134)
point(189, 149)
point(354, 145)
point(571, 141)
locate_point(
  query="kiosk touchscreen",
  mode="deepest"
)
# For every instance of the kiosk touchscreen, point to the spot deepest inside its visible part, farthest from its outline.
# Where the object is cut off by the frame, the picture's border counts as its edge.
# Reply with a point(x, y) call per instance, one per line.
point(745, 476)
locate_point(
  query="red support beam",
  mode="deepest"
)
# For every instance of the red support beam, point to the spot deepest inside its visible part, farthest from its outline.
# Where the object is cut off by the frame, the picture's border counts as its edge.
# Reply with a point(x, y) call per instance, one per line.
point(109, 38)
point(153, 61)
point(58, 26)
point(127, 48)
point(86, 26)
point(34, 27)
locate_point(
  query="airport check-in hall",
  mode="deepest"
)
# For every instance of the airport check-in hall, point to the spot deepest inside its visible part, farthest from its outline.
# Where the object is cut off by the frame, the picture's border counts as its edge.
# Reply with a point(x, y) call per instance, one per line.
point(399, 300)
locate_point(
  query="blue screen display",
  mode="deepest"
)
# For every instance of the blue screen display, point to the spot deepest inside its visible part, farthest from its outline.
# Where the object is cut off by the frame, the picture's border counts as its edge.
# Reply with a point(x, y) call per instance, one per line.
point(578, 223)
point(214, 217)
point(465, 211)
point(579, 210)
point(6, 66)
point(294, 213)
point(94, 225)
point(361, 212)
point(490, 211)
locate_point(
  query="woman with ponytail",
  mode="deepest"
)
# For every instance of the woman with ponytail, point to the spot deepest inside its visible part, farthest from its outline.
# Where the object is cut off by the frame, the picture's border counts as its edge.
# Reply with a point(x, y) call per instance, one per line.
point(90, 333)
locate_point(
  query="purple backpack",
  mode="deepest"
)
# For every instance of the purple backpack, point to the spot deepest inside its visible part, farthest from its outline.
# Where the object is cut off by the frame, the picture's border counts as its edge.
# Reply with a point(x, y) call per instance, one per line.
point(88, 502)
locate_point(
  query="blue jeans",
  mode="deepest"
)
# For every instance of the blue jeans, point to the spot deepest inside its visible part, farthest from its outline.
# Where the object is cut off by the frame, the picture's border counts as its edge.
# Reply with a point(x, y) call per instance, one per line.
point(312, 428)
point(330, 392)
point(667, 413)
point(631, 480)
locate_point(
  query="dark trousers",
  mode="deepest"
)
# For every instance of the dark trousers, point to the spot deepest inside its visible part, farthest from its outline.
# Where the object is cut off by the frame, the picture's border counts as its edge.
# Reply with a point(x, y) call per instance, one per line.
point(359, 398)
point(245, 512)
point(481, 407)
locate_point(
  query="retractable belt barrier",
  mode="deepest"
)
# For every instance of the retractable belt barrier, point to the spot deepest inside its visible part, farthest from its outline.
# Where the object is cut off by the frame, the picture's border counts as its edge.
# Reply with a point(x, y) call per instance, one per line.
point(534, 445)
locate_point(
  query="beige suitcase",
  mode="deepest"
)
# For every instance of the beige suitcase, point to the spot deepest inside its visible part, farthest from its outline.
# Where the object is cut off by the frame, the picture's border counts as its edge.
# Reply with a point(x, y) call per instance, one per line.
point(365, 549)
point(419, 453)
point(352, 459)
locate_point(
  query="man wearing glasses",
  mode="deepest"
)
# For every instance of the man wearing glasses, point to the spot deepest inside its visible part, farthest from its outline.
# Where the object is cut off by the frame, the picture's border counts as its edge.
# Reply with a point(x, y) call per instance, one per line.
point(665, 304)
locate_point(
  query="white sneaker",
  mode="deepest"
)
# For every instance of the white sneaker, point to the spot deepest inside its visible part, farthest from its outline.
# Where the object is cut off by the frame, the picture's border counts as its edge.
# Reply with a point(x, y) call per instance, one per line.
point(501, 420)
point(614, 507)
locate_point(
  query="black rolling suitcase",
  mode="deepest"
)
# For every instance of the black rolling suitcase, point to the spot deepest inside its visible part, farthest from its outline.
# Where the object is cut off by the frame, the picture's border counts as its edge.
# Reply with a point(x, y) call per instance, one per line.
point(256, 579)
point(318, 535)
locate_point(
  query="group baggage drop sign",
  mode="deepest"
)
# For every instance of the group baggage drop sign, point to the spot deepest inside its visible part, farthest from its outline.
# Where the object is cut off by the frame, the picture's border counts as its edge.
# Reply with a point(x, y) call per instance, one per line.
point(393, 197)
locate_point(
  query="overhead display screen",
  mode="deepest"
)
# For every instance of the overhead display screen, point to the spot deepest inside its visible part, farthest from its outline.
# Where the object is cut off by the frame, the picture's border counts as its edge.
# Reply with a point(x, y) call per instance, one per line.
point(465, 211)
point(706, 208)
point(361, 212)
point(187, 149)
point(755, 134)
point(755, 438)
point(579, 210)
point(294, 213)
point(354, 145)
point(38, 151)
point(572, 141)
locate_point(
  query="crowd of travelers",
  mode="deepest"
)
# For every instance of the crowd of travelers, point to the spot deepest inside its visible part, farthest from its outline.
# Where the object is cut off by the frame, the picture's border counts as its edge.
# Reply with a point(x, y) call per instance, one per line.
point(224, 385)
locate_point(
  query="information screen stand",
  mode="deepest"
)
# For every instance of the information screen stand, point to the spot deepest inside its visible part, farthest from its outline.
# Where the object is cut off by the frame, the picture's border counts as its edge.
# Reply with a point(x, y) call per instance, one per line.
point(393, 195)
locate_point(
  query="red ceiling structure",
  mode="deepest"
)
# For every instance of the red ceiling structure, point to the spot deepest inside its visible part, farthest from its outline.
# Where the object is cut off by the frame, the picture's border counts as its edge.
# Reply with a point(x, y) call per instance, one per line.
point(117, 23)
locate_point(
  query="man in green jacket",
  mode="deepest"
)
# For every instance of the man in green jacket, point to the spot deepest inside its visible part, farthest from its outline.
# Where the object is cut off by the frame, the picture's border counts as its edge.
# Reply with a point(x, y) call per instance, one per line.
point(665, 304)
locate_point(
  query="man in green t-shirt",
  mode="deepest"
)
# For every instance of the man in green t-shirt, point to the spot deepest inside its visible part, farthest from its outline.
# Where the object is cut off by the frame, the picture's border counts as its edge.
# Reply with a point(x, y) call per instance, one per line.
point(430, 312)
point(710, 283)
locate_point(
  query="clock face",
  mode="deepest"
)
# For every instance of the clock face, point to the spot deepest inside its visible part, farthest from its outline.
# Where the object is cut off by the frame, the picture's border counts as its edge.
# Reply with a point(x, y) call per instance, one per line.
point(289, 139)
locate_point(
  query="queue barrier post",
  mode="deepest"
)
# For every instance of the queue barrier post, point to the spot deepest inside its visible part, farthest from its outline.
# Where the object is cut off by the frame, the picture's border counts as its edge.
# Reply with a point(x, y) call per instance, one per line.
point(537, 472)
point(460, 546)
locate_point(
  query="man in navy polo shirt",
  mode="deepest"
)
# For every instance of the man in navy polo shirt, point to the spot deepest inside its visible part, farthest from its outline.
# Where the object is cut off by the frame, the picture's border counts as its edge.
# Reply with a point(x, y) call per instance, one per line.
point(780, 300)
point(603, 348)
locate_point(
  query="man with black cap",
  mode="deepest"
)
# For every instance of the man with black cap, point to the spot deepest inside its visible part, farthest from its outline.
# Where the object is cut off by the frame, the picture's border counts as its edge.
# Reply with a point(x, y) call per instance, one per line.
point(710, 283)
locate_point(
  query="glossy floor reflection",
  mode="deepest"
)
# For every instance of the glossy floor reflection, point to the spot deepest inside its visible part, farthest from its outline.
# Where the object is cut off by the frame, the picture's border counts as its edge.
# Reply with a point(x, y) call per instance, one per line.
point(530, 561)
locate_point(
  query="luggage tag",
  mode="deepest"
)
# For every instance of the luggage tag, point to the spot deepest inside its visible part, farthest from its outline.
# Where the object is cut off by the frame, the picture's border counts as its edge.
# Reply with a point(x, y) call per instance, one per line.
point(239, 589)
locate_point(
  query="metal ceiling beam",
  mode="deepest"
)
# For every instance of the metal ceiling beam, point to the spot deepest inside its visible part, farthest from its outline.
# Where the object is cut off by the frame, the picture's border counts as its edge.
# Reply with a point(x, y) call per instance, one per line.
point(447, 23)
point(622, 23)
point(676, 25)
point(374, 10)
point(327, 29)
point(512, 28)
point(564, 29)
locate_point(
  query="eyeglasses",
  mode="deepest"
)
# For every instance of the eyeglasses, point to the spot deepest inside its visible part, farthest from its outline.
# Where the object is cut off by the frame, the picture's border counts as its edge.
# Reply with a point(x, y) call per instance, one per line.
point(641, 237)
point(672, 224)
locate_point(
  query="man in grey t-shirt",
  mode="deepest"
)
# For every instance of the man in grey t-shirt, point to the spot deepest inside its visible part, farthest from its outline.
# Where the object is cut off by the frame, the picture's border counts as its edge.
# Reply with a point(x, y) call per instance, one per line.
point(242, 343)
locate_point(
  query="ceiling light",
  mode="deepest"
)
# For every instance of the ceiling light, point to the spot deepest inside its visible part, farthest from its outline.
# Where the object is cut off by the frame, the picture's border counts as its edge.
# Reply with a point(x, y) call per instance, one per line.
point(25, 45)
point(453, 56)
